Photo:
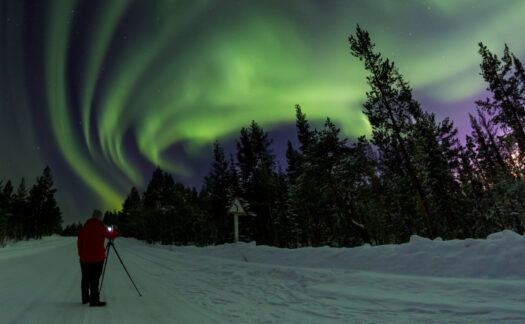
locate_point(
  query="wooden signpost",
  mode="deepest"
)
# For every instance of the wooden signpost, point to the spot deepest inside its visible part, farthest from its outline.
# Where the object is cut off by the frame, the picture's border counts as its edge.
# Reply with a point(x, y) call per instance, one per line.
point(237, 209)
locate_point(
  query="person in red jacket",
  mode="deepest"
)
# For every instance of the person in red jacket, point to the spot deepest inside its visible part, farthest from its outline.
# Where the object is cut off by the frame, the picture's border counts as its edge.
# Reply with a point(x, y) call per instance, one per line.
point(92, 253)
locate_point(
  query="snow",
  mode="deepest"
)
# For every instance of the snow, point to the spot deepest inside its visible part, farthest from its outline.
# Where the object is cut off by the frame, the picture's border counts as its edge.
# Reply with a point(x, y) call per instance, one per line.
point(431, 281)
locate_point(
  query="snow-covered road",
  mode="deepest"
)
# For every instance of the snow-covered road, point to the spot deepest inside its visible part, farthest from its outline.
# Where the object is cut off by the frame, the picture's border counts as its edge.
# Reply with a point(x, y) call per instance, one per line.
point(40, 283)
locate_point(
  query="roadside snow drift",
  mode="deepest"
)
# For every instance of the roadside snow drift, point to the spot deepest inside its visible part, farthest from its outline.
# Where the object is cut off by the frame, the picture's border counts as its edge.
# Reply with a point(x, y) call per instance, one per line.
point(501, 255)
point(458, 281)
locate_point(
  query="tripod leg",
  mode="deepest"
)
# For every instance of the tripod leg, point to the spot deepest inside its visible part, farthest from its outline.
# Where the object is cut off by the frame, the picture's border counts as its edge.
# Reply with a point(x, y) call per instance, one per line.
point(104, 268)
point(118, 255)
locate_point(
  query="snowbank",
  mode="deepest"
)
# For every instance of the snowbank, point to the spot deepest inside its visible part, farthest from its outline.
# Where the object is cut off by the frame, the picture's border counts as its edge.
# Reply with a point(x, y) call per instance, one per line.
point(244, 283)
point(501, 255)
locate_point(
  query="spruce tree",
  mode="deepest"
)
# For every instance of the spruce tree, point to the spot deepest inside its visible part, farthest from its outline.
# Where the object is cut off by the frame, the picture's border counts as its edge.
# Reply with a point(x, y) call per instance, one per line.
point(182, 214)
point(293, 161)
point(489, 151)
point(20, 212)
point(255, 160)
point(131, 221)
point(305, 134)
point(111, 217)
point(6, 211)
point(286, 233)
point(153, 197)
point(52, 214)
point(219, 188)
point(303, 191)
point(350, 182)
point(233, 174)
point(246, 159)
point(331, 175)
point(170, 211)
point(45, 216)
point(320, 160)
point(203, 226)
point(436, 158)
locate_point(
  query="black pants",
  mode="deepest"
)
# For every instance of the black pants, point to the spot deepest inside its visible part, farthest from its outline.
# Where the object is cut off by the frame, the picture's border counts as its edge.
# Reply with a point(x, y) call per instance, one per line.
point(90, 277)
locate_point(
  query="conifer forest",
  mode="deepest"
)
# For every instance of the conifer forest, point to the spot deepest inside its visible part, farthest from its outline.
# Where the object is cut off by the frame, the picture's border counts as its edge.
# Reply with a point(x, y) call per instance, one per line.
point(412, 175)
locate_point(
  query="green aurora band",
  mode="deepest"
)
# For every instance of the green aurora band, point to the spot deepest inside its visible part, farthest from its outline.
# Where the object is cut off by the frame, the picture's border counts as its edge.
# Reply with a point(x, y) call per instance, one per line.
point(168, 73)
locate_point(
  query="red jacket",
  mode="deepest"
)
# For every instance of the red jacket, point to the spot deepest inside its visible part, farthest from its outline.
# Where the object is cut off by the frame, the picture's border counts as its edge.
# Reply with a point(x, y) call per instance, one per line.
point(90, 241)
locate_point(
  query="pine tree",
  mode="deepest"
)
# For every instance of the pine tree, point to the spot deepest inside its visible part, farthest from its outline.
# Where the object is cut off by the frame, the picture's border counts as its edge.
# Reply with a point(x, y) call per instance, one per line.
point(497, 199)
point(508, 92)
point(506, 82)
point(391, 111)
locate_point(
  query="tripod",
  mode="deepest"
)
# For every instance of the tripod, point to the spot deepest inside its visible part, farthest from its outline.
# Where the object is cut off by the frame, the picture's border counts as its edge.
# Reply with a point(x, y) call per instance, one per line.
point(110, 244)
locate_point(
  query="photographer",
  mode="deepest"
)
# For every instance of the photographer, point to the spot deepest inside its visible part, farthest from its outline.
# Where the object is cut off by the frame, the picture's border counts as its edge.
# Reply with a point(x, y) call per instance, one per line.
point(91, 251)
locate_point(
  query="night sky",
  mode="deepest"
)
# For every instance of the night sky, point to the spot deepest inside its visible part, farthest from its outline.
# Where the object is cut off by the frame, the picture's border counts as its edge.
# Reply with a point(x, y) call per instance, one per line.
point(103, 91)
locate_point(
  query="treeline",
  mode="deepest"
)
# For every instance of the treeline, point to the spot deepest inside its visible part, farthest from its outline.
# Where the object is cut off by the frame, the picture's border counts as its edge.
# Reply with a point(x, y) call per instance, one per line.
point(29, 214)
point(412, 176)
point(72, 229)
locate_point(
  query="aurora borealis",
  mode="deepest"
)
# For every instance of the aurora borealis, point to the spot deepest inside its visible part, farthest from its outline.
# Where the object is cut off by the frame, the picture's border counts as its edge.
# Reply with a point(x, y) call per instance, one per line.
point(103, 91)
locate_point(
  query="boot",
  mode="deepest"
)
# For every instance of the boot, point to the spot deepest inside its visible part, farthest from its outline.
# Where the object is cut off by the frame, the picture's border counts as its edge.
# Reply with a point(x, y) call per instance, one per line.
point(97, 304)
point(85, 292)
point(85, 298)
point(95, 301)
